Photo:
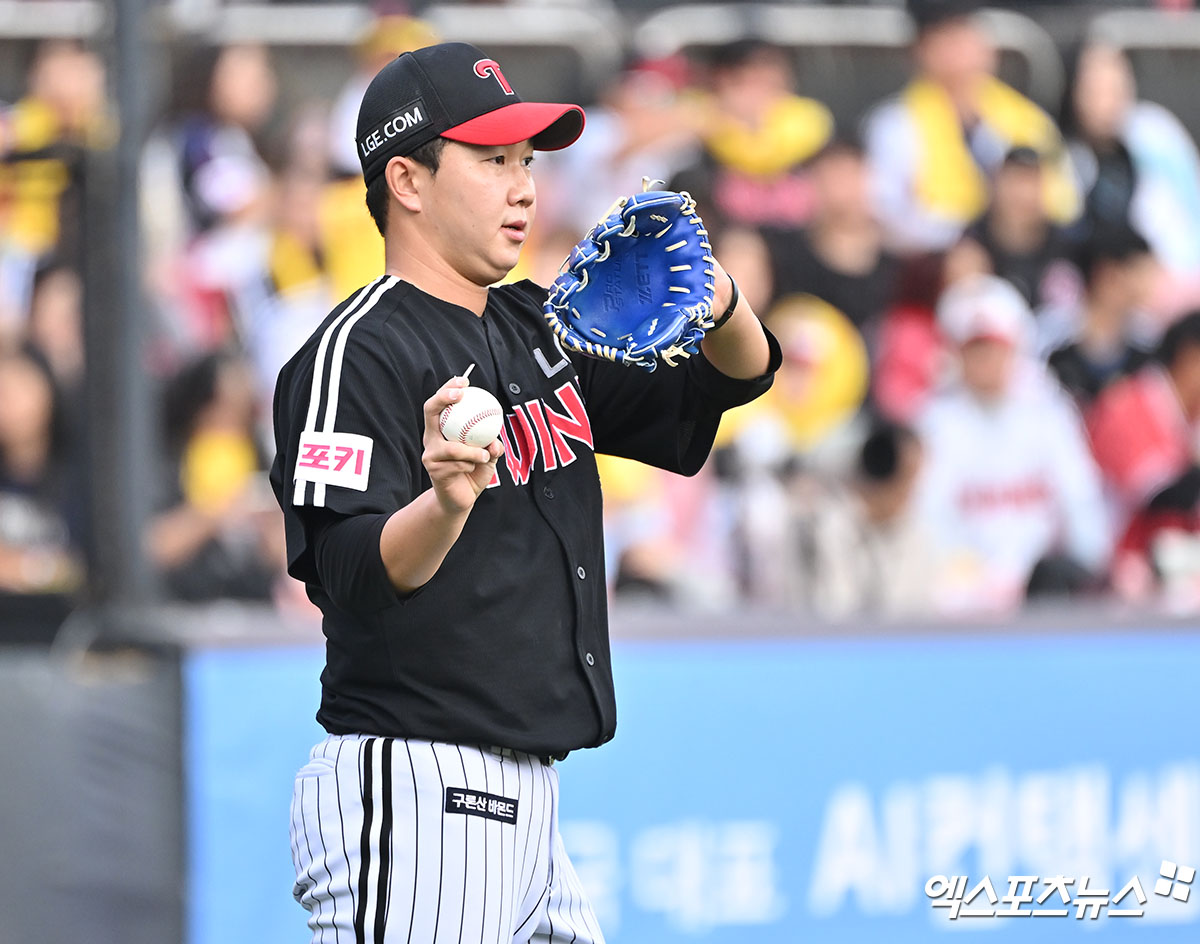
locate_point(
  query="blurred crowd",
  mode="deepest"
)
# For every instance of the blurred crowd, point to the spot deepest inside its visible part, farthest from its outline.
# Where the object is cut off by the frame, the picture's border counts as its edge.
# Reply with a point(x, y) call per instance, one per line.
point(990, 317)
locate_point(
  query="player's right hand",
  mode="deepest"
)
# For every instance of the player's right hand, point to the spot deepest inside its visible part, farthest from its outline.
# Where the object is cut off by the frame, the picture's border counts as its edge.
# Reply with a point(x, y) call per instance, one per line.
point(459, 472)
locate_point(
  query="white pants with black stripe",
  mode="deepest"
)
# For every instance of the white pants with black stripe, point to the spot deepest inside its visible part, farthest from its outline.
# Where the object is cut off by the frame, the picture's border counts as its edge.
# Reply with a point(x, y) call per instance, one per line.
point(422, 842)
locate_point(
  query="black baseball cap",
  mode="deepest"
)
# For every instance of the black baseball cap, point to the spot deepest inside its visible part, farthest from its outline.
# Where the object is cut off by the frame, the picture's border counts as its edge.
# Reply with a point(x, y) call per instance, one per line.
point(455, 91)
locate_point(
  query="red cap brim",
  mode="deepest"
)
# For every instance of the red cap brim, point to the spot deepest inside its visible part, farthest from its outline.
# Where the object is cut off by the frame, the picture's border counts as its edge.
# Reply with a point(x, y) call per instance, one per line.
point(549, 126)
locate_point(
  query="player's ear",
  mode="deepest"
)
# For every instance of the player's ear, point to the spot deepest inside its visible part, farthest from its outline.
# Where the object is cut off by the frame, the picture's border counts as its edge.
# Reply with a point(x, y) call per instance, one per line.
point(402, 175)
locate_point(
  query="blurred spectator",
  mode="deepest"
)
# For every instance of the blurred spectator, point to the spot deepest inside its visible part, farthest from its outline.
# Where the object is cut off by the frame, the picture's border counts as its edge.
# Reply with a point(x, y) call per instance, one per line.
point(206, 192)
point(1144, 427)
point(1008, 479)
point(351, 247)
point(43, 143)
point(1145, 433)
point(643, 125)
point(55, 330)
point(758, 135)
point(1137, 165)
point(222, 172)
point(804, 422)
point(839, 256)
point(909, 357)
point(56, 323)
point(42, 515)
point(664, 535)
point(1019, 241)
point(934, 148)
point(1160, 550)
point(221, 533)
point(1119, 275)
point(276, 312)
point(857, 548)
point(817, 391)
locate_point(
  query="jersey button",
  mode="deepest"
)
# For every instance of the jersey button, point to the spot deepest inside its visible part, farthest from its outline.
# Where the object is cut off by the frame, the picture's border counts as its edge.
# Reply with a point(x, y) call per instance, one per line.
point(581, 572)
point(514, 389)
point(590, 659)
point(548, 492)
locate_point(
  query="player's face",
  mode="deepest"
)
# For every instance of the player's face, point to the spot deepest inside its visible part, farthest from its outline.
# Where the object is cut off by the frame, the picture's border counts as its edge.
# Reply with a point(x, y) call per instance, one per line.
point(479, 207)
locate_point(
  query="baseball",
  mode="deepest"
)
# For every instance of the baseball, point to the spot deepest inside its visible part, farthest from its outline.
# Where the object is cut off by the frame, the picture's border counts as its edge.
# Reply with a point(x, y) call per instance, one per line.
point(475, 419)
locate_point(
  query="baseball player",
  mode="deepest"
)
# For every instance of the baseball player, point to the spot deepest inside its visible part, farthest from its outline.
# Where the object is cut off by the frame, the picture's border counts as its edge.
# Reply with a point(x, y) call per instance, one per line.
point(463, 587)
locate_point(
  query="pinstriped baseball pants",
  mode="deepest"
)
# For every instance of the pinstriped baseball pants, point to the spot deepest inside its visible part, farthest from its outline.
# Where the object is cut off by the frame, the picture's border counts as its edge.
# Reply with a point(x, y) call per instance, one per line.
point(415, 842)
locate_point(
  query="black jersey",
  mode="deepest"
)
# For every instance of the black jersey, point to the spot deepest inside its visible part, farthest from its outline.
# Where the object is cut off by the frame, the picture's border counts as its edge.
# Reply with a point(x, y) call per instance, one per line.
point(507, 644)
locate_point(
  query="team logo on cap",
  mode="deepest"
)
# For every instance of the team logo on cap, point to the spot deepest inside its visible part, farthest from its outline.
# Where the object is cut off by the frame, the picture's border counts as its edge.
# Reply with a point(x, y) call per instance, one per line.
point(485, 68)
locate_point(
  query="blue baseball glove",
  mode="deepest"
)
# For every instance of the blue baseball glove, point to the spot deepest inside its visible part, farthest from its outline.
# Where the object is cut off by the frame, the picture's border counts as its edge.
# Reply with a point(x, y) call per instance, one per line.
point(638, 288)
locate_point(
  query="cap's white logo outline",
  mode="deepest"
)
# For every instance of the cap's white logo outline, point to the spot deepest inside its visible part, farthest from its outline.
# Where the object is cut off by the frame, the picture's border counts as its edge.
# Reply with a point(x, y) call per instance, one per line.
point(490, 68)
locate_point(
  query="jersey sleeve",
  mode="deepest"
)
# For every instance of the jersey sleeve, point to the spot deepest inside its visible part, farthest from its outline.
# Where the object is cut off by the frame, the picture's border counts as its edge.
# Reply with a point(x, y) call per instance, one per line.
point(348, 429)
point(669, 417)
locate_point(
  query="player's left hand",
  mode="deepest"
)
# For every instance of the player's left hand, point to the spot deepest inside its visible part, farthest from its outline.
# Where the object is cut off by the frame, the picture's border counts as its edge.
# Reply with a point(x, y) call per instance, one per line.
point(638, 288)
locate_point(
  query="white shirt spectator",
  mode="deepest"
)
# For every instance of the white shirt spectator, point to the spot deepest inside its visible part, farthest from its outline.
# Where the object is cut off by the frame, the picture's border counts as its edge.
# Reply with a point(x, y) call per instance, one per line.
point(1008, 479)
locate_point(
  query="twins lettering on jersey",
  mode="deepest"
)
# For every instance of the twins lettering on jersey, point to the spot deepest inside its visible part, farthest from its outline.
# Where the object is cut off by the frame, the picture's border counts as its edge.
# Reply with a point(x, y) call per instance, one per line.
point(535, 428)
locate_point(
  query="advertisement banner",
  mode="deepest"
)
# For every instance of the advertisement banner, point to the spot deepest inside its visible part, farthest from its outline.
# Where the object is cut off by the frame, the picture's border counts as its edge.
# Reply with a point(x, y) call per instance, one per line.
point(845, 790)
